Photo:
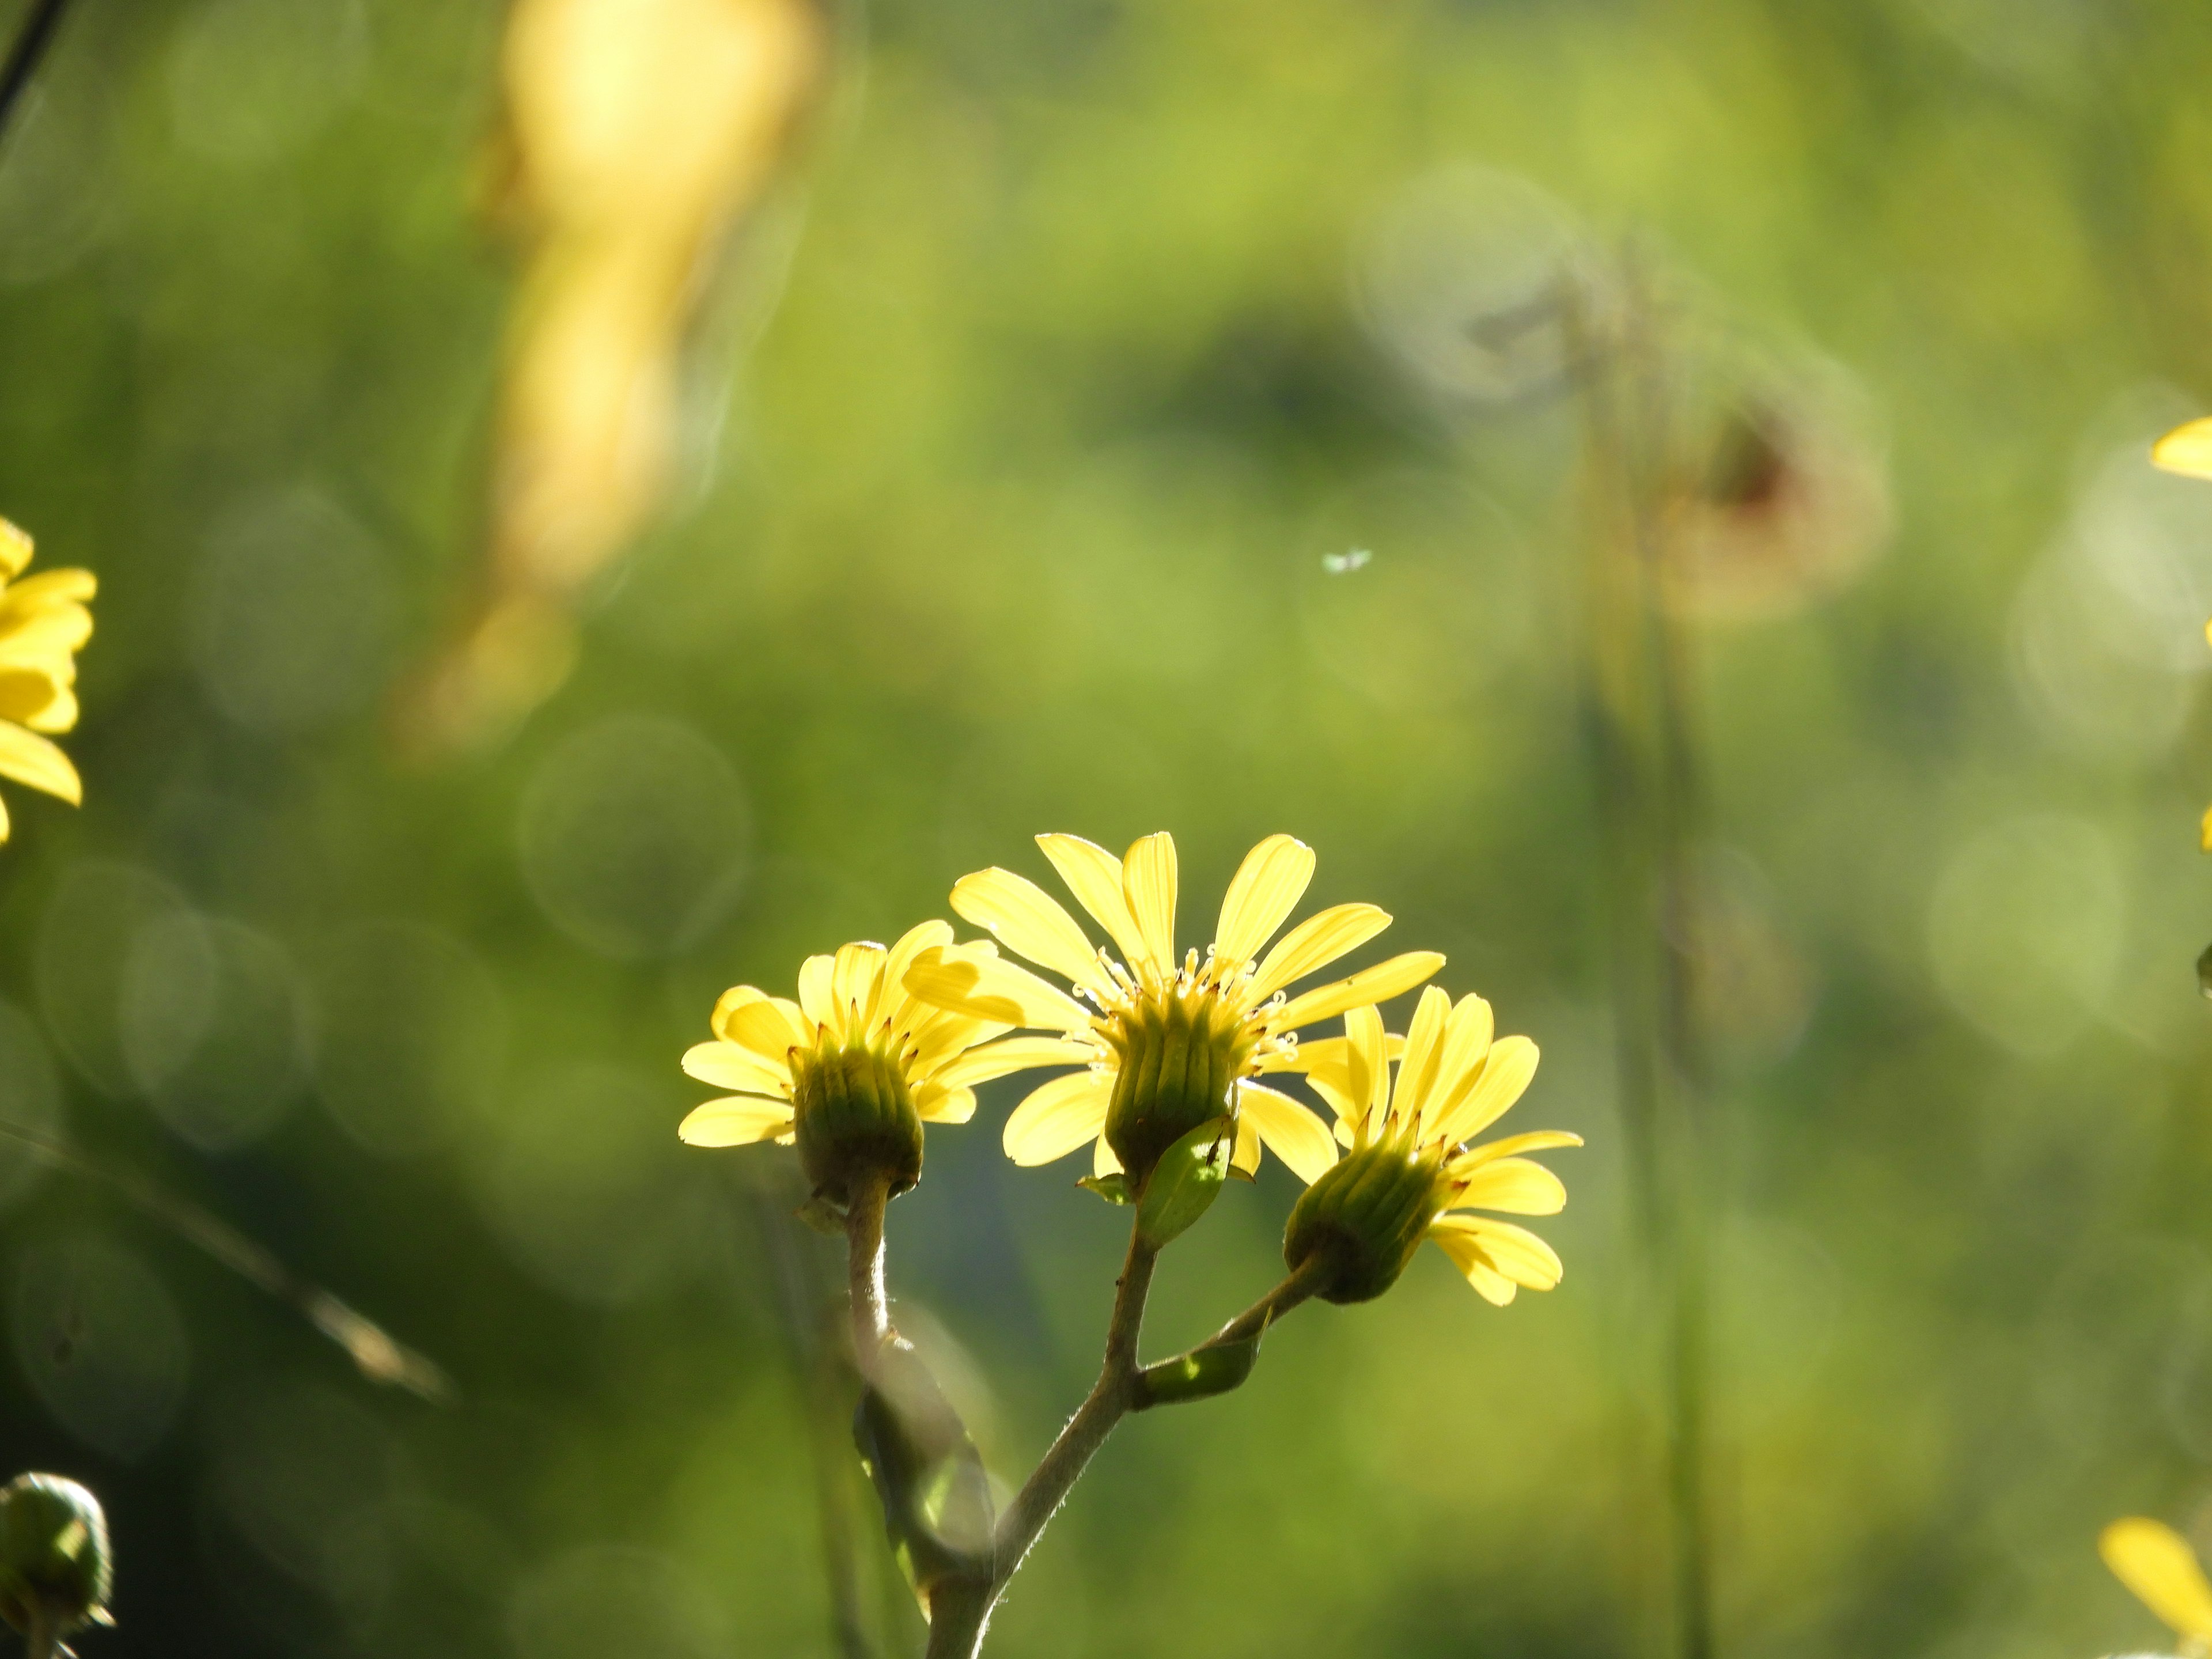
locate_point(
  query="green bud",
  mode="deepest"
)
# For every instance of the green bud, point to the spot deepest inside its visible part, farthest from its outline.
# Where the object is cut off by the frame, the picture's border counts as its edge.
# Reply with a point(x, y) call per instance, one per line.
point(53, 1554)
point(1362, 1220)
point(855, 1120)
point(1212, 1368)
point(1179, 1062)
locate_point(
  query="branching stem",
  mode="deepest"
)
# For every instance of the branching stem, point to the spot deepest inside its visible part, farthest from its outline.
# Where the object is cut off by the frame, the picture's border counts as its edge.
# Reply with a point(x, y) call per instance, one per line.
point(24, 52)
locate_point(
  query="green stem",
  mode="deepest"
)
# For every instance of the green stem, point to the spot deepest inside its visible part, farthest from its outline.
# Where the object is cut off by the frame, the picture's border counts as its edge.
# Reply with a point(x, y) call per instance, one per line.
point(42, 1635)
point(863, 1266)
point(957, 1622)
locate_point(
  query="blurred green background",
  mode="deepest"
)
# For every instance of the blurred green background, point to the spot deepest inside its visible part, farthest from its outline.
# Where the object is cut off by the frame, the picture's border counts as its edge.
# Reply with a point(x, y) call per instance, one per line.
point(1104, 325)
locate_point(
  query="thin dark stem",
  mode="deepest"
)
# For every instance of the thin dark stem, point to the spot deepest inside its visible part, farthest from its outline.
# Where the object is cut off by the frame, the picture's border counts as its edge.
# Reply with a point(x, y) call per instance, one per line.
point(25, 52)
point(1297, 1287)
point(42, 1637)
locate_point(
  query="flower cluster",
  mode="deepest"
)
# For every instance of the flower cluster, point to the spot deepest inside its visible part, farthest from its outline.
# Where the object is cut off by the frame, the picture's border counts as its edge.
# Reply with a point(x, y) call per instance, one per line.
point(43, 622)
point(1162, 1043)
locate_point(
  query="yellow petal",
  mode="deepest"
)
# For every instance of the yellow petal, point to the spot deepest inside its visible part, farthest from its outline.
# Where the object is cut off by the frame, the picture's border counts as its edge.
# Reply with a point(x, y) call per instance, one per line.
point(2156, 1563)
point(1425, 1042)
point(1367, 1071)
point(934, 1103)
point(1293, 1133)
point(1267, 887)
point(1019, 1053)
point(1488, 1092)
point(3, 820)
point(59, 714)
point(817, 993)
point(1059, 1117)
point(768, 1025)
point(729, 1065)
point(857, 982)
point(934, 1042)
point(2204, 831)
point(2186, 450)
point(31, 759)
point(1244, 1156)
point(15, 549)
point(1315, 943)
point(907, 1014)
point(1148, 884)
point(1536, 1140)
point(1094, 875)
point(738, 1121)
point(1467, 1255)
point(65, 586)
point(989, 987)
point(1514, 1186)
point(1514, 1251)
point(1102, 1161)
point(1027, 920)
point(1379, 983)
point(50, 630)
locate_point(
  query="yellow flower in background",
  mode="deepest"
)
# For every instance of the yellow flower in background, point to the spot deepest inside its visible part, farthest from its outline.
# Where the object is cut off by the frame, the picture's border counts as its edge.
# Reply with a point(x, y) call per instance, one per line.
point(2186, 450)
point(43, 622)
point(851, 1071)
point(638, 135)
point(1408, 1174)
point(1167, 1043)
point(2156, 1563)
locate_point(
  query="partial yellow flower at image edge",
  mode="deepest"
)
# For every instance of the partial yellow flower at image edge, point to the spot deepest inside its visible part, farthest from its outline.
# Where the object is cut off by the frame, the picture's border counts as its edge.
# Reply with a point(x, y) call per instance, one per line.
point(43, 622)
point(1166, 1042)
point(2156, 1563)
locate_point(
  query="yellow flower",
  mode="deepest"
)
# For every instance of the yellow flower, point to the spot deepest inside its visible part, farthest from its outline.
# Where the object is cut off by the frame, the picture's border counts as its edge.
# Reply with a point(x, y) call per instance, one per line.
point(850, 1072)
point(2156, 1562)
point(1167, 1044)
point(2186, 450)
point(1409, 1173)
point(43, 623)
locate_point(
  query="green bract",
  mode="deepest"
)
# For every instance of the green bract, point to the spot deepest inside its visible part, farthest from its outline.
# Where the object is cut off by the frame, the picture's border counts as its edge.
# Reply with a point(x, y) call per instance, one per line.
point(855, 1119)
point(1362, 1220)
point(1179, 1056)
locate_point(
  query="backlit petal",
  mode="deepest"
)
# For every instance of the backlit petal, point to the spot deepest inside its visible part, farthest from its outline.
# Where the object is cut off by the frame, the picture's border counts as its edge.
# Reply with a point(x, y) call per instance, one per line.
point(817, 993)
point(1094, 875)
point(1292, 1133)
point(31, 759)
point(1514, 1251)
point(1513, 1185)
point(933, 1102)
point(2156, 1563)
point(1536, 1140)
point(991, 988)
point(769, 1026)
point(734, 1067)
point(1424, 1040)
point(1028, 922)
point(1313, 943)
point(738, 1121)
point(1379, 983)
point(1148, 883)
point(1267, 887)
point(1466, 1253)
point(1058, 1118)
point(1487, 1093)
point(2186, 449)
point(1019, 1053)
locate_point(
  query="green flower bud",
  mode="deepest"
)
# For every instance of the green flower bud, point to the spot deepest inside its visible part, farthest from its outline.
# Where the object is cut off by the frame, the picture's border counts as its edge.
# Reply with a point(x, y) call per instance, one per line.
point(1179, 1055)
point(1362, 1221)
point(54, 1564)
point(855, 1121)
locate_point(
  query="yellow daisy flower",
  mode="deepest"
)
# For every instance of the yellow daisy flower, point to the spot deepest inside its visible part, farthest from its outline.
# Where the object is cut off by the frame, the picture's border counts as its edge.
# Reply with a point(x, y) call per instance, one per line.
point(2156, 1563)
point(43, 623)
point(1409, 1174)
point(1168, 1043)
point(850, 1072)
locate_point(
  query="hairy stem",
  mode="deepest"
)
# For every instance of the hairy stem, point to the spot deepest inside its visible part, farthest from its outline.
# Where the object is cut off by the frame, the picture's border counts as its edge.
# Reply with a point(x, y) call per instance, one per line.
point(42, 1635)
point(957, 1623)
point(863, 1241)
point(1298, 1286)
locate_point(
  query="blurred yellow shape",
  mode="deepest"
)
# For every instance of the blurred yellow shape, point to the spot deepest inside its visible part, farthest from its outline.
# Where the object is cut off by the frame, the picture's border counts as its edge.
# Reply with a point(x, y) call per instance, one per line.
point(2156, 1563)
point(638, 132)
point(2186, 450)
point(43, 622)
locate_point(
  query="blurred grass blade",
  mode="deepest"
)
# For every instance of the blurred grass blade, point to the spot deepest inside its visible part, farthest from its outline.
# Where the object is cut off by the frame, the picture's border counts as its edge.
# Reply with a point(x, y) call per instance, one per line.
point(372, 1349)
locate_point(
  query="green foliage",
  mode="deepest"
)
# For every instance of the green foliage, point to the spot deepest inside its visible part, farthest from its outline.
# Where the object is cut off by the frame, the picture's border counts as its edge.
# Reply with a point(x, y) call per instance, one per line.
point(1185, 1182)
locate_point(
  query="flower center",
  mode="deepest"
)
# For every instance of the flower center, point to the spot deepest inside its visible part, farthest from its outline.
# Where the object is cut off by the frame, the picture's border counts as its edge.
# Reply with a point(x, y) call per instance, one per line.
point(1181, 1049)
point(1364, 1218)
point(855, 1119)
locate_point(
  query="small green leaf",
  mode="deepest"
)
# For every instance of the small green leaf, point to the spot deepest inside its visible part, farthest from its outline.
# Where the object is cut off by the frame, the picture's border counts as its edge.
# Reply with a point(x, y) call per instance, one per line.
point(1215, 1368)
point(823, 1215)
point(1185, 1183)
point(1114, 1189)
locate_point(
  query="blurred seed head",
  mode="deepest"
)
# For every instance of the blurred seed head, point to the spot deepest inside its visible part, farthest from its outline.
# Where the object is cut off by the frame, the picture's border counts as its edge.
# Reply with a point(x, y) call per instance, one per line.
point(1785, 498)
point(101, 1342)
